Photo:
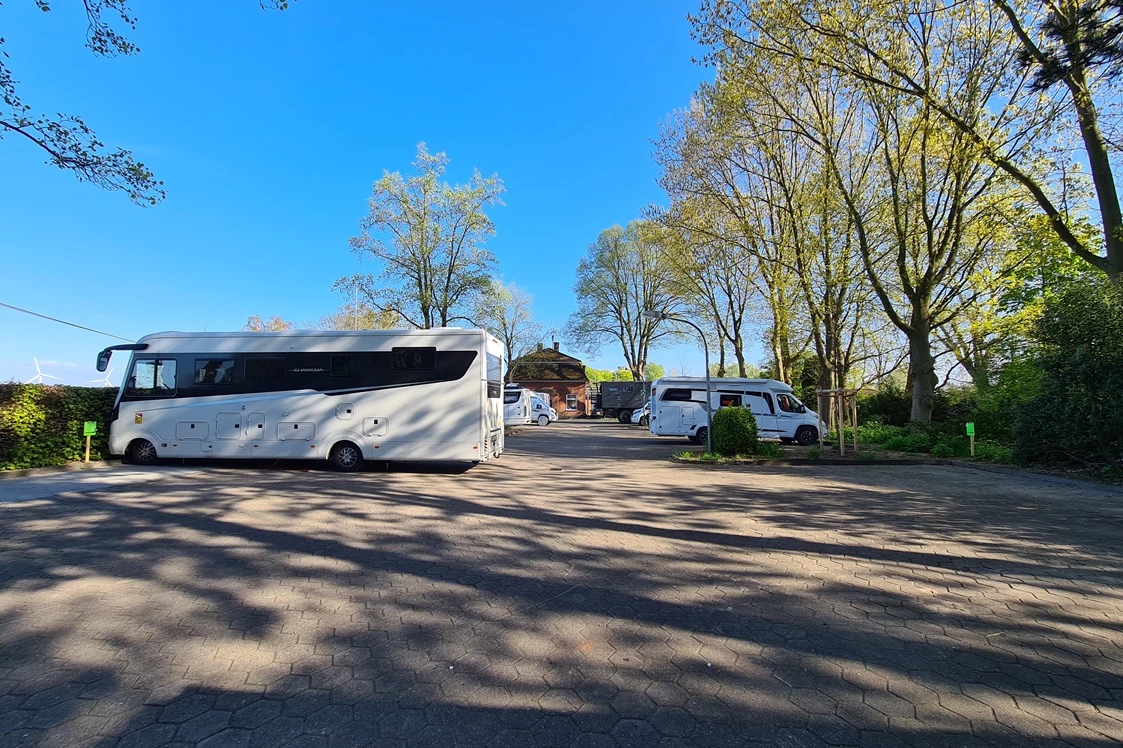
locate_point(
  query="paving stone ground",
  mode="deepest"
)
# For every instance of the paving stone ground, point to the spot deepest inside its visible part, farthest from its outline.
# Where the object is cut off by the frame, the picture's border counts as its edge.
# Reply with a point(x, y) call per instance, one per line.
point(581, 591)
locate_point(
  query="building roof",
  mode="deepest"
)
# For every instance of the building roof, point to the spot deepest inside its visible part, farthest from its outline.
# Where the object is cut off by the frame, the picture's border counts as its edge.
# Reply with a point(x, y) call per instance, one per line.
point(546, 364)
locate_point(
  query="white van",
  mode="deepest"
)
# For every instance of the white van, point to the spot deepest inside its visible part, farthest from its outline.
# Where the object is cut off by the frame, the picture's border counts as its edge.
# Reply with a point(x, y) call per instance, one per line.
point(678, 408)
point(523, 407)
point(339, 396)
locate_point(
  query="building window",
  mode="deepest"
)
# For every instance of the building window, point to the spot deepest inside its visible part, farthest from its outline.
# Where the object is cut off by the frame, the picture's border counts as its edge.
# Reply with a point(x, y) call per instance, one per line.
point(154, 377)
point(571, 403)
point(265, 368)
point(214, 371)
point(341, 364)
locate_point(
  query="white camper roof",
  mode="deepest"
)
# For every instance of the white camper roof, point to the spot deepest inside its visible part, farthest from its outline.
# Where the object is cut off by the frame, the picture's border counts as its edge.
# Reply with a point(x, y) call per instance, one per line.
point(716, 382)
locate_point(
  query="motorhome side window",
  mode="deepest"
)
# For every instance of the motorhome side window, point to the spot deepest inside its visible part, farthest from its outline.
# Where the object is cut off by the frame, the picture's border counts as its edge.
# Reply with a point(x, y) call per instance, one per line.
point(414, 358)
point(730, 401)
point(511, 397)
point(495, 377)
point(265, 368)
point(153, 377)
point(214, 371)
point(678, 394)
point(341, 365)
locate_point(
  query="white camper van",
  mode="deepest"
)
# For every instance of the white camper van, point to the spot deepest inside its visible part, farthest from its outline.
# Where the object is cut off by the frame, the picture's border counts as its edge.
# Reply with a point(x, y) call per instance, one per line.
point(340, 396)
point(522, 407)
point(678, 408)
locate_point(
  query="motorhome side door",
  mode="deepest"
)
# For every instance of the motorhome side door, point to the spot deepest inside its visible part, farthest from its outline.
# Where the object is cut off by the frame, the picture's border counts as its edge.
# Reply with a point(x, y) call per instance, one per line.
point(762, 407)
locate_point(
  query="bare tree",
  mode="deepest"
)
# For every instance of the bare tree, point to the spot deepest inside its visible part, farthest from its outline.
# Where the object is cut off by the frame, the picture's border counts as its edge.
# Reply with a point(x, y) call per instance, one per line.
point(621, 276)
point(273, 324)
point(506, 311)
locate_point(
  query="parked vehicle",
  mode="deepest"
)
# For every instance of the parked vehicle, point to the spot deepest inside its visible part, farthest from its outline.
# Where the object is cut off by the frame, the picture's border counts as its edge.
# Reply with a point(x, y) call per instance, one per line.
point(620, 399)
point(340, 396)
point(522, 406)
point(545, 398)
point(643, 415)
point(679, 408)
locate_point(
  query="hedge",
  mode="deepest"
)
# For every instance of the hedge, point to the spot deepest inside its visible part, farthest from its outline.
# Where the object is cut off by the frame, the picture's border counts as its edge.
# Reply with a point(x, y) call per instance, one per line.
point(42, 425)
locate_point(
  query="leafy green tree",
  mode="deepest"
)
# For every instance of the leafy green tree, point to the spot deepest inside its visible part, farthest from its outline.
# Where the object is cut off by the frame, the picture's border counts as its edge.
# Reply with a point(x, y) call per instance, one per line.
point(654, 371)
point(428, 237)
point(1047, 69)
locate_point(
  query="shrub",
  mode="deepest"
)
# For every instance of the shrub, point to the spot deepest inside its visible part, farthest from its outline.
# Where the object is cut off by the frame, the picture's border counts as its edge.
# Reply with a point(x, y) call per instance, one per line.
point(735, 432)
point(1077, 413)
point(889, 404)
point(771, 450)
point(943, 450)
point(43, 425)
point(992, 452)
point(814, 453)
point(874, 432)
point(910, 443)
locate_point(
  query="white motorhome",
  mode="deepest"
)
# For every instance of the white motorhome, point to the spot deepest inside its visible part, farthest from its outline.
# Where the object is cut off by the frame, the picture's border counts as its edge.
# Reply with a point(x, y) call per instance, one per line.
point(678, 408)
point(545, 398)
point(340, 396)
point(522, 407)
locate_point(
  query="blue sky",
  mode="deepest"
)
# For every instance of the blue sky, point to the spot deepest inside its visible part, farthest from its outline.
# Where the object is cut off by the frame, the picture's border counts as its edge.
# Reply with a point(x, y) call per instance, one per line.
point(269, 129)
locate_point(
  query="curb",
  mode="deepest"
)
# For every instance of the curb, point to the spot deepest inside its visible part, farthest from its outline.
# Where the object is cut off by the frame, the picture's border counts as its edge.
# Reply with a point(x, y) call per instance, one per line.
point(809, 461)
point(69, 467)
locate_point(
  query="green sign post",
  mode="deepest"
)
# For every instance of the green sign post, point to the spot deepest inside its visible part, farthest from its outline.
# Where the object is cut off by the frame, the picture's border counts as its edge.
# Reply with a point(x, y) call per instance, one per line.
point(88, 430)
point(971, 434)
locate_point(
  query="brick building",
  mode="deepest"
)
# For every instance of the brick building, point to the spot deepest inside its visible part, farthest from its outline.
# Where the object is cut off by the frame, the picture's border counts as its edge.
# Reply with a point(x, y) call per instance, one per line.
point(563, 377)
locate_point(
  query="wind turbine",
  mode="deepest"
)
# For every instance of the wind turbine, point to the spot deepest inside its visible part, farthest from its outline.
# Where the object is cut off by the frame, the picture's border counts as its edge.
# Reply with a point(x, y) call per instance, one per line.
point(104, 382)
point(39, 375)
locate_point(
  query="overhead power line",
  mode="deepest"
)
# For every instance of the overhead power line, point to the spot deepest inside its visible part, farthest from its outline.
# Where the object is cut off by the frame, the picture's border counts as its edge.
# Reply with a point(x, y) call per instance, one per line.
point(63, 322)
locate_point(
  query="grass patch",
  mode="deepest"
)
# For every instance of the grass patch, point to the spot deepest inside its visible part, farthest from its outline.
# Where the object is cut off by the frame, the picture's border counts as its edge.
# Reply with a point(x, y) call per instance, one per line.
point(770, 450)
point(699, 456)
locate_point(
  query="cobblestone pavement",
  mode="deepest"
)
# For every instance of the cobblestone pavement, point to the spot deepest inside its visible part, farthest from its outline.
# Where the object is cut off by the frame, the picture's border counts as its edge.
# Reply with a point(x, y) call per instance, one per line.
point(582, 590)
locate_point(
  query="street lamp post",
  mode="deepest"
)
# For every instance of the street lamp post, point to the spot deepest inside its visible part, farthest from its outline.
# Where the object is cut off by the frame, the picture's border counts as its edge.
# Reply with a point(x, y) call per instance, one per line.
point(660, 316)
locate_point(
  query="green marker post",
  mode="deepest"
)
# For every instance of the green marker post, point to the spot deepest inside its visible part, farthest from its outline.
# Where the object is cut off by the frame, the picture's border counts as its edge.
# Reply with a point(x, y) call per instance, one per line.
point(971, 435)
point(88, 430)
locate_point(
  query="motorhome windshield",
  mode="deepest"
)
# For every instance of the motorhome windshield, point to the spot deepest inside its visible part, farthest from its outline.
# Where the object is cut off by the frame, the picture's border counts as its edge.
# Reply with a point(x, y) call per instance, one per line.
point(512, 397)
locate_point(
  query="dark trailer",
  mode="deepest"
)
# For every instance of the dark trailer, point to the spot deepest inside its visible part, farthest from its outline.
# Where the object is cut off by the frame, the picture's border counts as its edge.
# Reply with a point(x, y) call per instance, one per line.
point(620, 399)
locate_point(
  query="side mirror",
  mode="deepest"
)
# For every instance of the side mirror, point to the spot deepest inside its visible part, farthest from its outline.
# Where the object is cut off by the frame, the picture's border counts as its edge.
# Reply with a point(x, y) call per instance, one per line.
point(103, 360)
point(802, 409)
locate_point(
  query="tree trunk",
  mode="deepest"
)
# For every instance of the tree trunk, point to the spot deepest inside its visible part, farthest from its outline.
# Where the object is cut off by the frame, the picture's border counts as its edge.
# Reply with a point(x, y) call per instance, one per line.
point(922, 366)
point(740, 355)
